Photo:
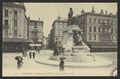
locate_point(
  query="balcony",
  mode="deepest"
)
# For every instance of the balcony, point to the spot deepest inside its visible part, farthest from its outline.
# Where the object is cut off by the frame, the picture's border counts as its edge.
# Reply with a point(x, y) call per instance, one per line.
point(6, 27)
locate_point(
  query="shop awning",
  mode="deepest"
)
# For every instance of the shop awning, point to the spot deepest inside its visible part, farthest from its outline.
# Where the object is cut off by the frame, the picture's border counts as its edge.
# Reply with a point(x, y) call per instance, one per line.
point(34, 44)
point(14, 40)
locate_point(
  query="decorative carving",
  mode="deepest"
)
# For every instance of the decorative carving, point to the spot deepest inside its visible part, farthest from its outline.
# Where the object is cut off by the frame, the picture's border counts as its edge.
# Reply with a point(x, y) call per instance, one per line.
point(77, 39)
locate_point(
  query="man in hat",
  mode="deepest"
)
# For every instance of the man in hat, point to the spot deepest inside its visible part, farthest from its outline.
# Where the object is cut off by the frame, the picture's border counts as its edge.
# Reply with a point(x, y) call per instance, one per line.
point(30, 54)
point(34, 55)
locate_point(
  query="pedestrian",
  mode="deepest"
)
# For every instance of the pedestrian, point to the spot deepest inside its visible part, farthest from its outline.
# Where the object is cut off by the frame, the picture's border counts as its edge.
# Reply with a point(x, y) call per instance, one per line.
point(19, 64)
point(30, 54)
point(61, 64)
point(34, 55)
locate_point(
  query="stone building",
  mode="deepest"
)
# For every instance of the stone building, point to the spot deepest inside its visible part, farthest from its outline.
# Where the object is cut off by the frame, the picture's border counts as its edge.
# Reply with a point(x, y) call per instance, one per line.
point(35, 31)
point(56, 33)
point(15, 27)
point(99, 30)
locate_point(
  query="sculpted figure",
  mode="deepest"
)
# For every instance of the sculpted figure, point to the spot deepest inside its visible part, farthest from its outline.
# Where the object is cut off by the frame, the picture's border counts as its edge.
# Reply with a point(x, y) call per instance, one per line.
point(70, 15)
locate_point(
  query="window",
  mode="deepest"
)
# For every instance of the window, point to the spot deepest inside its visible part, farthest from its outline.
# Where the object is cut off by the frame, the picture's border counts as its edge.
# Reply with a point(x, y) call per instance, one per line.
point(99, 29)
point(6, 13)
point(99, 21)
point(94, 29)
point(90, 37)
point(15, 33)
point(84, 21)
point(35, 27)
point(6, 22)
point(94, 37)
point(90, 20)
point(6, 32)
point(61, 33)
point(111, 30)
point(90, 29)
point(115, 30)
point(15, 13)
point(103, 21)
point(57, 27)
point(94, 20)
point(111, 22)
point(108, 21)
point(103, 30)
point(35, 23)
point(15, 23)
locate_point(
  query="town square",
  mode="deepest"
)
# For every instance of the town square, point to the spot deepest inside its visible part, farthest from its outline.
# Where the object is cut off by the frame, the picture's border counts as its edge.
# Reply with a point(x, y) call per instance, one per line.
point(59, 39)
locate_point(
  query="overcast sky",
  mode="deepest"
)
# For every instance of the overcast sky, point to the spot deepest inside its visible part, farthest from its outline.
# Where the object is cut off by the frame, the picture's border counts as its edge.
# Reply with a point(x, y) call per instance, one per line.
point(48, 12)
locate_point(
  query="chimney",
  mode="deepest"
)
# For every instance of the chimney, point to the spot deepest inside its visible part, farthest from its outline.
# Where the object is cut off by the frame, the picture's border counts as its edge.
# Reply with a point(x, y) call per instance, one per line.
point(106, 12)
point(82, 12)
point(39, 19)
point(102, 12)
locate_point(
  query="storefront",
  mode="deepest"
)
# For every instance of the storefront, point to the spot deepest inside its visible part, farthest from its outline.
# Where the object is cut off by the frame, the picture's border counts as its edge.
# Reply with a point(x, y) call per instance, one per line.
point(103, 47)
point(14, 45)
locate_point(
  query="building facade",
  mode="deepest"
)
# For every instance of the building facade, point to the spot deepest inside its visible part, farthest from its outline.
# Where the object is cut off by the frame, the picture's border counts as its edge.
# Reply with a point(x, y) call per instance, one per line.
point(56, 33)
point(36, 31)
point(99, 30)
point(15, 27)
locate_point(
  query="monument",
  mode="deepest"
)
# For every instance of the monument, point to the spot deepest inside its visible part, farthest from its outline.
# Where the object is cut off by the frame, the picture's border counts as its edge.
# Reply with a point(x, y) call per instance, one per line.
point(72, 44)
point(73, 49)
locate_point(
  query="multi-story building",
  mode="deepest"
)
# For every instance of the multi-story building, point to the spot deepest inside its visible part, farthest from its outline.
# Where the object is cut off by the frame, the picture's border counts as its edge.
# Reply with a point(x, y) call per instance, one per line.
point(56, 33)
point(99, 30)
point(36, 31)
point(15, 27)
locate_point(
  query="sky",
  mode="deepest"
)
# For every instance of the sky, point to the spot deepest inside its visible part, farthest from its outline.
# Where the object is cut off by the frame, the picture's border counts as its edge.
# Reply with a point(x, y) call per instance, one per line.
point(48, 12)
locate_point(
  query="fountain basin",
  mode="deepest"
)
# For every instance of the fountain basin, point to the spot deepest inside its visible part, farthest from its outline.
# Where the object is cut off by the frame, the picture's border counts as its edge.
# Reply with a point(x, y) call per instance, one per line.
point(99, 62)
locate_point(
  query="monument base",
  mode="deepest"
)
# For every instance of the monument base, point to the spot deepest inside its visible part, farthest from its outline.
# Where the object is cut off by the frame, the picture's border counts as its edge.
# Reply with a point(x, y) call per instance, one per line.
point(80, 49)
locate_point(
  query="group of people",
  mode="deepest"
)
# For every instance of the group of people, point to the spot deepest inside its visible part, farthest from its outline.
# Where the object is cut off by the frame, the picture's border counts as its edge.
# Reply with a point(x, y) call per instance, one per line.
point(32, 55)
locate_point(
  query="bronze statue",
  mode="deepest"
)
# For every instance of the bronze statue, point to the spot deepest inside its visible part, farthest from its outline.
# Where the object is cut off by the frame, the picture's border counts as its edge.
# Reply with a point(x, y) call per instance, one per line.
point(70, 16)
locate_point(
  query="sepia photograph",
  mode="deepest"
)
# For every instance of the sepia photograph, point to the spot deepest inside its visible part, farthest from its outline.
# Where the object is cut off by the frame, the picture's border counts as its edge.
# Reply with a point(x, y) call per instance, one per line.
point(59, 39)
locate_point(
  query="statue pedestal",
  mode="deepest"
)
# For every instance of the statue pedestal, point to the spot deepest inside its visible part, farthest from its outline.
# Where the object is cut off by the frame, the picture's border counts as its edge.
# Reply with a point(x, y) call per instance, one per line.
point(80, 49)
point(68, 41)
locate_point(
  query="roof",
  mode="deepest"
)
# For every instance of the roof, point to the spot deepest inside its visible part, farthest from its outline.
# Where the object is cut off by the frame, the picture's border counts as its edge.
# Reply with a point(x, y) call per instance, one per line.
point(11, 4)
point(35, 21)
point(98, 14)
point(15, 40)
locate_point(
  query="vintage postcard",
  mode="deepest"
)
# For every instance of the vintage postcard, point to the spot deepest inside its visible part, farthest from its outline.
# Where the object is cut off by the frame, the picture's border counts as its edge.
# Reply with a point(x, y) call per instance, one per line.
point(59, 39)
